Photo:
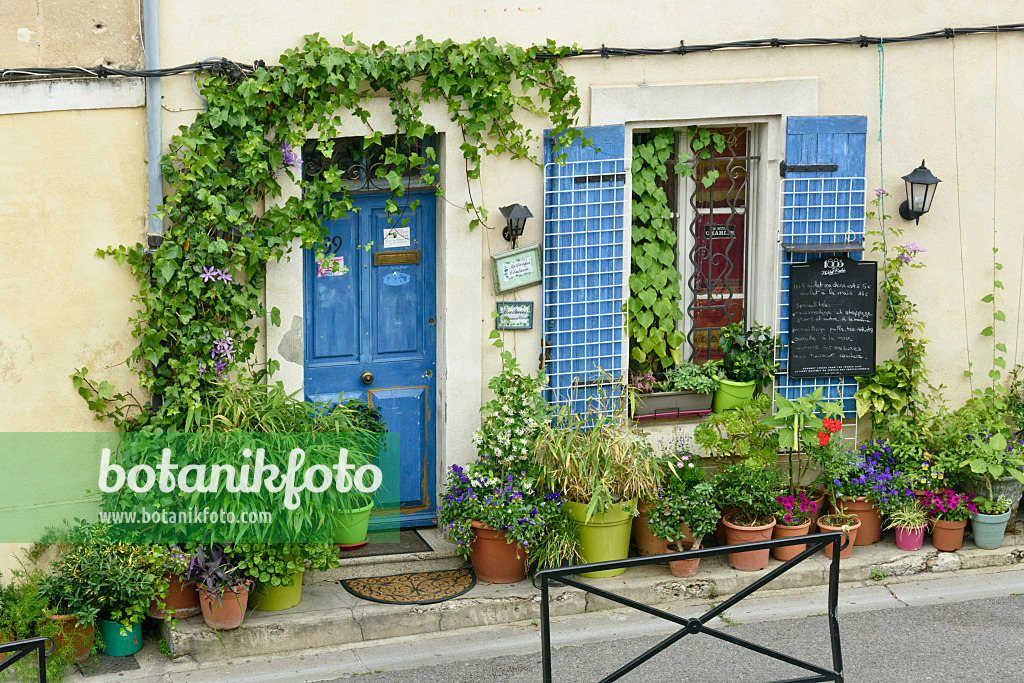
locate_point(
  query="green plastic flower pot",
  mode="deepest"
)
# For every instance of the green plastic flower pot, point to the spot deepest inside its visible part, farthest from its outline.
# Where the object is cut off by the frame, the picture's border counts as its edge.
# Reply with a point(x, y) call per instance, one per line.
point(119, 640)
point(730, 395)
point(603, 537)
point(350, 527)
point(276, 598)
point(989, 530)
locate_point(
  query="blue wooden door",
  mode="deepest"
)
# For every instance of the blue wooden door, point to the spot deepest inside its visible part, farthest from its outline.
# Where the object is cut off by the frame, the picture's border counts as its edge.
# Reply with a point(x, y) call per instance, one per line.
point(370, 331)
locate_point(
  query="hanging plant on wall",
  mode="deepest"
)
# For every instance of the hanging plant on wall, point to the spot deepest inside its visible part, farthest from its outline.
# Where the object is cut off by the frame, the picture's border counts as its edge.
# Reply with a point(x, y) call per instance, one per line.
point(201, 290)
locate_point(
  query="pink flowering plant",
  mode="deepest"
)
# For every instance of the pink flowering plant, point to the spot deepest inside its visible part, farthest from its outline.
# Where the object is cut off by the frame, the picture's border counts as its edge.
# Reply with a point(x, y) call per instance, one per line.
point(795, 508)
point(949, 506)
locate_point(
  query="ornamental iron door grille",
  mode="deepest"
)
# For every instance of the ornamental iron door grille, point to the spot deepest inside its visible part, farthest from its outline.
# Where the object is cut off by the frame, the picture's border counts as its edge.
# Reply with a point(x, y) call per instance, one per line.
point(363, 163)
point(718, 234)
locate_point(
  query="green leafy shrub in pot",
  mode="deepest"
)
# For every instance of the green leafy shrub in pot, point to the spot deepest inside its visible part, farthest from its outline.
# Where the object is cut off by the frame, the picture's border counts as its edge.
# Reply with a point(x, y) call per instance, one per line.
point(749, 355)
point(740, 434)
point(275, 564)
point(100, 577)
point(694, 507)
point(24, 614)
point(751, 489)
point(701, 379)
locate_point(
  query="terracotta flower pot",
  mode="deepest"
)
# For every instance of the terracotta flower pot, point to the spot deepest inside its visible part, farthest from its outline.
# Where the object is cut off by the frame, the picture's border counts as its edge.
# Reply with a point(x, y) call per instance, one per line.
point(684, 569)
point(910, 538)
point(948, 536)
point(790, 551)
point(81, 639)
point(181, 601)
point(228, 613)
point(750, 560)
point(853, 533)
point(870, 520)
point(647, 544)
point(720, 529)
point(494, 559)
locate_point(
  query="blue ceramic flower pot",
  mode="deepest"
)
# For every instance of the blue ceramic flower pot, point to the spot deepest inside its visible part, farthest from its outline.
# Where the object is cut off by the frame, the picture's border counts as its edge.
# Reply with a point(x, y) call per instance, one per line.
point(989, 529)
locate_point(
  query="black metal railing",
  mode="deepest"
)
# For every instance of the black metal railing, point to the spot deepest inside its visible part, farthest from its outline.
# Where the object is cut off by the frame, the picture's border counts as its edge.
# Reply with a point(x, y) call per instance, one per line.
point(41, 646)
point(838, 539)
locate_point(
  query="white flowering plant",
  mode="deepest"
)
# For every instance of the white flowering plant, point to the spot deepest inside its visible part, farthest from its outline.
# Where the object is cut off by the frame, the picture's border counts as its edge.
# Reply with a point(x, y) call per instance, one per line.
point(513, 418)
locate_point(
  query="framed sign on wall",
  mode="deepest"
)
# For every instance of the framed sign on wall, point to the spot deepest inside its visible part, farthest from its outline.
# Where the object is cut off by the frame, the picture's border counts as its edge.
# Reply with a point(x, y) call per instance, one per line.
point(516, 269)
point(514, 315)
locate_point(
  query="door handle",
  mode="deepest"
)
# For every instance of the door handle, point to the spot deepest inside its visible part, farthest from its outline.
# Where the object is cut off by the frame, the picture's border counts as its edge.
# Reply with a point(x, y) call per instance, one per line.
point(366, 377)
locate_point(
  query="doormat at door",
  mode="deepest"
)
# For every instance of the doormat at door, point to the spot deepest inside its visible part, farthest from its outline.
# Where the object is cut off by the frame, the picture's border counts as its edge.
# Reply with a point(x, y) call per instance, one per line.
point(408, 541)
point(422, 588)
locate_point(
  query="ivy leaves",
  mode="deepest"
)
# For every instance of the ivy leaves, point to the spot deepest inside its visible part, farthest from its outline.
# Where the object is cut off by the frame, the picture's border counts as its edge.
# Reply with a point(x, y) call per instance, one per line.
point(223, 168)
point(654, 282)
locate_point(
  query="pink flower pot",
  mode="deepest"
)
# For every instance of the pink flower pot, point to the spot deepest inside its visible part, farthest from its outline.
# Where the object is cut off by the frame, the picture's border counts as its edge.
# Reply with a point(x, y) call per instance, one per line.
point(910, 538)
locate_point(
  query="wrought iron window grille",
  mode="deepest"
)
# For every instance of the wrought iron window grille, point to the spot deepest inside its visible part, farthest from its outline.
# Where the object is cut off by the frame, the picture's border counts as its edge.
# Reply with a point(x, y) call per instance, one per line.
point(363, 166)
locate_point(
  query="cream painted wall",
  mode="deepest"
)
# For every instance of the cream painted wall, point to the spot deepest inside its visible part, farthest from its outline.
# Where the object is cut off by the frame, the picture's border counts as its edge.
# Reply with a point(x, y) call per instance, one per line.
point(73, 181)
point(953, 102)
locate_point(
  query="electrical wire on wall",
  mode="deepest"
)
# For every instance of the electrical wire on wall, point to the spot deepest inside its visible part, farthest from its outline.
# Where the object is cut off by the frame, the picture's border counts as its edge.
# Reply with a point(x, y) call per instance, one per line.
point(239, 70)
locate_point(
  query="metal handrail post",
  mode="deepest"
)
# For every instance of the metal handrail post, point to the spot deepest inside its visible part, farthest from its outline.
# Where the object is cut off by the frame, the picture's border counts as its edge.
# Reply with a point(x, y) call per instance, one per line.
point(833, 610)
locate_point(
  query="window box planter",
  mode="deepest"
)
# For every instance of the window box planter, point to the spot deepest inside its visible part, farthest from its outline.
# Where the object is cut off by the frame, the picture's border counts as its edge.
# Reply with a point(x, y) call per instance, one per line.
point(669, 404)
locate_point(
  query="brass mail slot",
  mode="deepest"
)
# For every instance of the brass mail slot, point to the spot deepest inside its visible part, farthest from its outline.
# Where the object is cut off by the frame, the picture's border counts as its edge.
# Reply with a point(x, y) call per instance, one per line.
point(394, 258)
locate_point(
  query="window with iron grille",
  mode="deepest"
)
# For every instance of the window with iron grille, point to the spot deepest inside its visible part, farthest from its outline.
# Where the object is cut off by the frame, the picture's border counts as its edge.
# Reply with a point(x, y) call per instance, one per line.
point(712, 208)
point(717, 219)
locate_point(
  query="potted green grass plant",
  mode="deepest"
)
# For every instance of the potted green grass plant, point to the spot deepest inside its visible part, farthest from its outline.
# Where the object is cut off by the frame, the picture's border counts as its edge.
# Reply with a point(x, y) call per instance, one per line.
point(600, 465)
point(909, 519)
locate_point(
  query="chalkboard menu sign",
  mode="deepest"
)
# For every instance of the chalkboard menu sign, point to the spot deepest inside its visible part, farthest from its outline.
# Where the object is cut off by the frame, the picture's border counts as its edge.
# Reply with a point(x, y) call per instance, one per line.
point(832, 318)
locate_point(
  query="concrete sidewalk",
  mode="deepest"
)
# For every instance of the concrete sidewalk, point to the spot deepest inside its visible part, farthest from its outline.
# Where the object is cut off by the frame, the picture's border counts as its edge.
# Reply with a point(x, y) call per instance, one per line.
point(330, 626)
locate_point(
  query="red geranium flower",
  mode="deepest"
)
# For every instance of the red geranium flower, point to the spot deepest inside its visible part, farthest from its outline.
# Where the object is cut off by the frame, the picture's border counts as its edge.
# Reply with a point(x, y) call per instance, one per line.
point(823, 438)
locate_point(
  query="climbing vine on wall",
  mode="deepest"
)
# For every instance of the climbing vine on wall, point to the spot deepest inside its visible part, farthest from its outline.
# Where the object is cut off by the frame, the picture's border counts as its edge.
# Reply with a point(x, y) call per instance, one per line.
point(654, 303)
point(201, 290)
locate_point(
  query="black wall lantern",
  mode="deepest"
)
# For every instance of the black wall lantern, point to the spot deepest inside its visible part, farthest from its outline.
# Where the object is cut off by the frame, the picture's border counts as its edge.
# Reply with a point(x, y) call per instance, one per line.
point(515, 221)
point(920, 192)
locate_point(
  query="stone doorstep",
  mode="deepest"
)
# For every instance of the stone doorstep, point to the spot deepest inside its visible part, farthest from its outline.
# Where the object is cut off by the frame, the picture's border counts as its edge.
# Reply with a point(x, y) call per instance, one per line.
point(329, 616)
point(441, 556)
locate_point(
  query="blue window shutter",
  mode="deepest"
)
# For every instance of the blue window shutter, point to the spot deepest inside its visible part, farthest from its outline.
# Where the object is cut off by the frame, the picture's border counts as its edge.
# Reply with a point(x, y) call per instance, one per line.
point(820, 207)
point(584, 270)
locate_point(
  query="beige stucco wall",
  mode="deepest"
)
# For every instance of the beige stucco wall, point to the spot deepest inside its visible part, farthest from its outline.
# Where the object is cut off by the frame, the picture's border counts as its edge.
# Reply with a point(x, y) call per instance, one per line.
point(73, 181)
point(57, 33)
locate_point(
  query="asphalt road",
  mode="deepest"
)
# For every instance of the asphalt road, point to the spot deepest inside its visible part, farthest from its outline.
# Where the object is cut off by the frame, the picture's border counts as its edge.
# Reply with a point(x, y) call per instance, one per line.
point(978, 640)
